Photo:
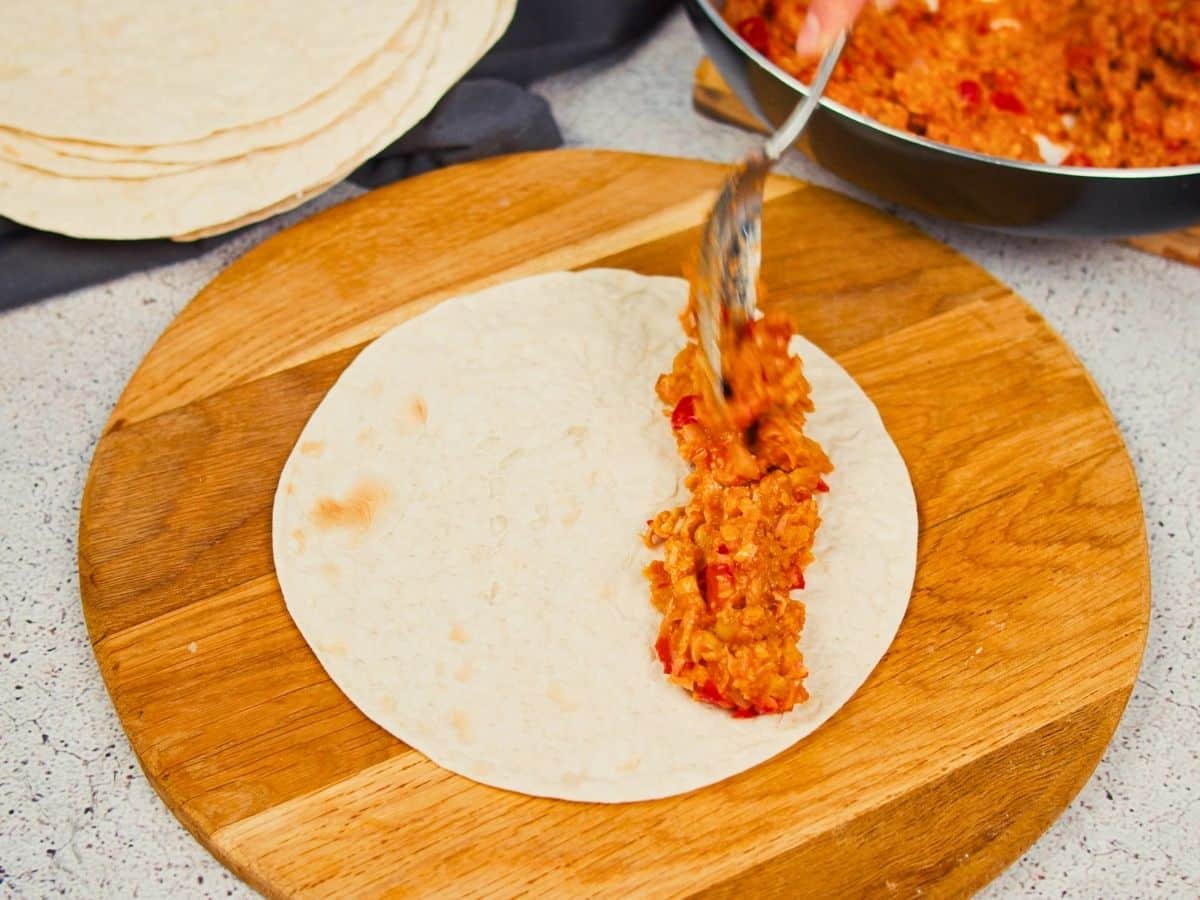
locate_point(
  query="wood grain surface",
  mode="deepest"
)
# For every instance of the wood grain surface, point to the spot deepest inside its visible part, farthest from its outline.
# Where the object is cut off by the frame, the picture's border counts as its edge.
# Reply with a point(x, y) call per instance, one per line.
point(1004, 684)
point(712, 97)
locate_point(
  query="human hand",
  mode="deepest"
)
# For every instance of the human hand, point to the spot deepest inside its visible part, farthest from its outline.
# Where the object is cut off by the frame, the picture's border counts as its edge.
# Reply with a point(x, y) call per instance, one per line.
point(825, 19)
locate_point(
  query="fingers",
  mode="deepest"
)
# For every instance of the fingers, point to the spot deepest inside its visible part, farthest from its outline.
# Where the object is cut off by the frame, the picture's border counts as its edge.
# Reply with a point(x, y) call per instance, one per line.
point(825, 19)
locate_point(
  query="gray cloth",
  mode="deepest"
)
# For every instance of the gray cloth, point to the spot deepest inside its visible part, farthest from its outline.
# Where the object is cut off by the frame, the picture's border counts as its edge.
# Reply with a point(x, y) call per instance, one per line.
point(488, 113)
point(476, 119)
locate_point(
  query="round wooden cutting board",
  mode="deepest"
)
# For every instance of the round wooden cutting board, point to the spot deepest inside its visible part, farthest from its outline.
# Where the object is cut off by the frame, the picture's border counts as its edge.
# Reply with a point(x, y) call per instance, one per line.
point(994, 704)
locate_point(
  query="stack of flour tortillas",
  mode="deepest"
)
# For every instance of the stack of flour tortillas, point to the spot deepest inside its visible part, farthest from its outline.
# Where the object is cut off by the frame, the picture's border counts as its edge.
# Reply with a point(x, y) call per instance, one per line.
point(127, 120)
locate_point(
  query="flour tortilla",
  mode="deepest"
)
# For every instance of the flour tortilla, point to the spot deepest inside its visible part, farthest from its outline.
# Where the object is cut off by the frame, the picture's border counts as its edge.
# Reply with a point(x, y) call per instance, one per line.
point(129, 72)
point(456, 535)
point(81, 159)
point(274, 209)
point(498, 28)
point(226, 192)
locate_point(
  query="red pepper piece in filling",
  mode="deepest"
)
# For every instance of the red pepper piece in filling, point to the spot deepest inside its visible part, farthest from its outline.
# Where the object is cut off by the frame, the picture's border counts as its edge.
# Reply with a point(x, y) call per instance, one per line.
point(663, 648)
point(714, 576)
point(798, 582)
point(753, 31)
point(822, 487)
point(684, 412)
point(971, 92)
point(709, 694)
point(1006, 101)
point(746, 713)
point(1078, 158)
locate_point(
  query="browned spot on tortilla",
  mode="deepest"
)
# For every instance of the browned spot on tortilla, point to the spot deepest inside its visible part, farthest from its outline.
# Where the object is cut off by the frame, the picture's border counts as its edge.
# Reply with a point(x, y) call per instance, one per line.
point(464, 671)
point(593, 477)
point(300, 539)
point(458, 634)
point(312, 448)
point(631, 764)
point(606, 592)
point(573, 779)
point(572, 515)
point(387, 703)
point(462, 725)
point(355, 512)
point(366, 435)
point(578, 432)
point(420, 411)
point(375, 389)
point(330, 570)
point(290, 488)
point(334, 648)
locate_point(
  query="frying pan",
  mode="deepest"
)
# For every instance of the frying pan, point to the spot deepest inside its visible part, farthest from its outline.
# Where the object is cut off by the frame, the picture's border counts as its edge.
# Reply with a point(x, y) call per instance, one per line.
point(988, 191)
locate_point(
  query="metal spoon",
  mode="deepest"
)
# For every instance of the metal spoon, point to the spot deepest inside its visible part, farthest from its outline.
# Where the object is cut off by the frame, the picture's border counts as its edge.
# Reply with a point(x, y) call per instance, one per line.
point(731, 250)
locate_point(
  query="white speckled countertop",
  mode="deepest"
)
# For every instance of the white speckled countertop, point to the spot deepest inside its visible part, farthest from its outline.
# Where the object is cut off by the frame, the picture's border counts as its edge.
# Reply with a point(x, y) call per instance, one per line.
point(78, 818)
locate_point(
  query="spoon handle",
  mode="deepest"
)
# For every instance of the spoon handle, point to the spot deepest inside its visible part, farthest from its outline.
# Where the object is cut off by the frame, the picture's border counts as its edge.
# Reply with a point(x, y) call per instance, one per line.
point(790, 130)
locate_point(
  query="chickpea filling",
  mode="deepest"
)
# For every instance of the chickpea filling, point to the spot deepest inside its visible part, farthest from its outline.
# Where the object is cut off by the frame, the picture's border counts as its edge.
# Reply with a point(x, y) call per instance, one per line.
point(1072, 82)
point(735, 553)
